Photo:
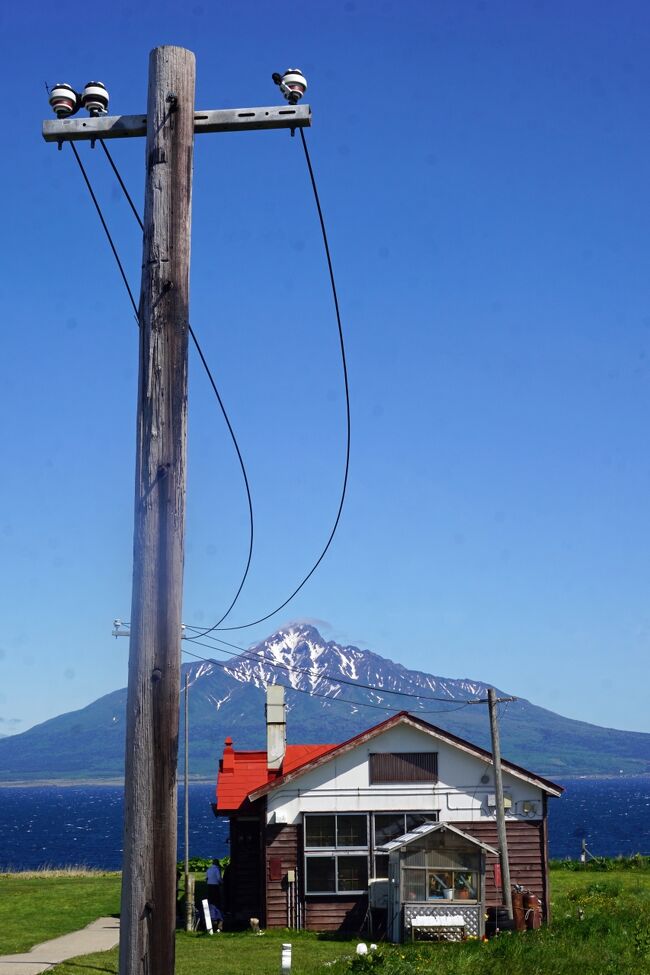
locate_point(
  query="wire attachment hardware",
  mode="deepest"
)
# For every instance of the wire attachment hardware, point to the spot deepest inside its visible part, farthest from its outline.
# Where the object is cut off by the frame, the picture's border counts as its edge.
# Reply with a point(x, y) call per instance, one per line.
point(292, 84)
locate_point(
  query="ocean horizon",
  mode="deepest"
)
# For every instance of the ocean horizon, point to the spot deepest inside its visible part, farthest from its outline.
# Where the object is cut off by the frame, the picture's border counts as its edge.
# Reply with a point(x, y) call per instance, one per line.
point(59, 825)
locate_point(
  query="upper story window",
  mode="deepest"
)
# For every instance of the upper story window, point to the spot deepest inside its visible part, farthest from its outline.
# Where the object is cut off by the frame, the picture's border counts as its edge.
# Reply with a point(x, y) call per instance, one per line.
point(346, 831)
point(403, 767)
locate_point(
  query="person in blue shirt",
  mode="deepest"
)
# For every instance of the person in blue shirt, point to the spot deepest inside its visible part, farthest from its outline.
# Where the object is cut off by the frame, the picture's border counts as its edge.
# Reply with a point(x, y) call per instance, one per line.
point(213, 880)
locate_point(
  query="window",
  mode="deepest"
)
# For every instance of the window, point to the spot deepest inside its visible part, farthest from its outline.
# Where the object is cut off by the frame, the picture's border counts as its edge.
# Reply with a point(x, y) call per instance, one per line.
point(437, 875)
point(403, 767)
point(452, 885)
point(388, 826)
point(336, 854)
point(342, 831)
point(339, 848)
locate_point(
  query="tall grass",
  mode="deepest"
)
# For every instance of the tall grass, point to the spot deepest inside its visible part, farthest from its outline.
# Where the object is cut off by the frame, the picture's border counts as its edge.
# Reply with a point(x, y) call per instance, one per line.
point(49, 873)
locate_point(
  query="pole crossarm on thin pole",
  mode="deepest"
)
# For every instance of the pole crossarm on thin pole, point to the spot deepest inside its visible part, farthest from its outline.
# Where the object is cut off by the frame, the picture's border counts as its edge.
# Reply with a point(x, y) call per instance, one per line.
point(217, 120)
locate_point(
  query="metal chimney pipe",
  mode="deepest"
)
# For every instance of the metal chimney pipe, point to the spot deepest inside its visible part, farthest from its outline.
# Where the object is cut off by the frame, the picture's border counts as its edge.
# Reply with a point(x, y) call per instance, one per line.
point(276, 727)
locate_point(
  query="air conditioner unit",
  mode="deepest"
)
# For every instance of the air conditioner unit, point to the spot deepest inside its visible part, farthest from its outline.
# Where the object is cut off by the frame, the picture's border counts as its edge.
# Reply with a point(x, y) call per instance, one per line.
point(492, 801)
point(378, 894)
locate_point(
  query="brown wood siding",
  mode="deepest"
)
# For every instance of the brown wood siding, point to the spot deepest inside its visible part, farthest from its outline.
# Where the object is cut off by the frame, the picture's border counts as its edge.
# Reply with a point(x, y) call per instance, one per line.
point(403, 767)
point(526, 854)
point(281, 844)
point(335, 913)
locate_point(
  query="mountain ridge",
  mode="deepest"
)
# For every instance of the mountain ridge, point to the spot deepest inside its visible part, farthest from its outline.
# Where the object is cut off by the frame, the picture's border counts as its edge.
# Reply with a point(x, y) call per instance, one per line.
point(227, 699)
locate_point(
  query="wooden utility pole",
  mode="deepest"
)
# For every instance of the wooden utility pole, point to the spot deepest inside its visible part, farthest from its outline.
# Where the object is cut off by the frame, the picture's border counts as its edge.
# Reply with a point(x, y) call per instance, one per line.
point(148, 912)
point(501, 815)
point(189, 904)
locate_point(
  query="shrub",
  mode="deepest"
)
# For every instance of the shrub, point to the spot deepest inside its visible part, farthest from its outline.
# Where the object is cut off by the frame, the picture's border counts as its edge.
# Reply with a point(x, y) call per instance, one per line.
point(201, 864)
point(599, 864)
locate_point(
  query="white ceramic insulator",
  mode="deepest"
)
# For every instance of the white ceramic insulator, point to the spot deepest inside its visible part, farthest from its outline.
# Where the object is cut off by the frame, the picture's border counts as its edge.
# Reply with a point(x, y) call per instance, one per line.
point(95, 95)
point(295, 77)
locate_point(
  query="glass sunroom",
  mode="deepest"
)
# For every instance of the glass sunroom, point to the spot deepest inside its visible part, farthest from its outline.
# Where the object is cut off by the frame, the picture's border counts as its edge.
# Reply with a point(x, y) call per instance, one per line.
point(436, 881)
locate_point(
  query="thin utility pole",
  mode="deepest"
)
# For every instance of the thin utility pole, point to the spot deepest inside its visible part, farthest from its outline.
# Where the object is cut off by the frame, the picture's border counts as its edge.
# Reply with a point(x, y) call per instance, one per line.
point(501, 816)
point(189, 904)
point(148, 912)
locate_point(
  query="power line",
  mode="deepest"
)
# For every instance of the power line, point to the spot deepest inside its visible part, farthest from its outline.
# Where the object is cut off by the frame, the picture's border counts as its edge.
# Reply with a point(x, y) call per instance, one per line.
point(106, 230)
point(196, 343)
point(208, 372)
point(251, 532)
point(327, 697)
point(252, 654)
point(322, 674)
point(122, 184)
point(261, 619)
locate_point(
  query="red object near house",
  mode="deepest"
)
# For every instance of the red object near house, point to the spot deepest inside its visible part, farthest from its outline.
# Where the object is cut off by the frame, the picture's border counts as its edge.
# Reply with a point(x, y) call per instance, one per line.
point(532, 911)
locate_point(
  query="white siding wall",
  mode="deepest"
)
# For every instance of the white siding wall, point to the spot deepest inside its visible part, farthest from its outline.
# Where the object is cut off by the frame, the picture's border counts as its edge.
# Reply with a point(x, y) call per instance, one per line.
point(342, 784)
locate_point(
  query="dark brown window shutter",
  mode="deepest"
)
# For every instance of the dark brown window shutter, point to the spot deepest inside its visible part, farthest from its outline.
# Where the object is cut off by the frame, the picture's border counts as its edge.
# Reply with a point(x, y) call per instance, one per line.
point(403, 767)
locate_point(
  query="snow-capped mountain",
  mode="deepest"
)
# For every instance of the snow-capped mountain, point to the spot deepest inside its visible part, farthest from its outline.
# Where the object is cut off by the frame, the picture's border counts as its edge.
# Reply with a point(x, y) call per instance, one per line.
point(300, 658)
point(333, 692)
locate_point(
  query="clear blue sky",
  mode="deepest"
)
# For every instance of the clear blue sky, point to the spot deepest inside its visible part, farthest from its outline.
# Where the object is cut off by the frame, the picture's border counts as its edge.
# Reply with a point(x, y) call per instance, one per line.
point(484, 173)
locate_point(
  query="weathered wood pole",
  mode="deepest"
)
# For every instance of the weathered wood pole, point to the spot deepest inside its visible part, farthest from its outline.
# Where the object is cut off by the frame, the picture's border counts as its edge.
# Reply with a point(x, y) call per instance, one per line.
point(501, 815)
point(189, 904)
point(148, 912)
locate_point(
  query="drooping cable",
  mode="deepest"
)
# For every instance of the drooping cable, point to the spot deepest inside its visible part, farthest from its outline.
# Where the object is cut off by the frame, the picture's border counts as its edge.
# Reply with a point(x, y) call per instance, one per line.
point(261, 619)
point(327, 697)
point(106, 230)
point(253, 655)
point(346, 384)
point(251, 523)
point(198, 349)
point(121, 182)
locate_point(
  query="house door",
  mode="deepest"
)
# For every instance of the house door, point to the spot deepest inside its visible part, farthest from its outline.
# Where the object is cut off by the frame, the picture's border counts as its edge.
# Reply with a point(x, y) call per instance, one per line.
point(245, 873)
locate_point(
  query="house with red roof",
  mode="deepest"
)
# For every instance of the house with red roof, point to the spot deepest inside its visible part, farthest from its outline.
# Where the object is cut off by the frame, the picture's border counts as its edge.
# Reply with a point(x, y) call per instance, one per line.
point(315, 830)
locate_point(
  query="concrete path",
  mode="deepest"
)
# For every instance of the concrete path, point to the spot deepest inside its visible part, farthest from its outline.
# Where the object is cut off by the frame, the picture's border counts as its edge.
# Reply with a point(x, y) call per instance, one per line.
point(100, 935)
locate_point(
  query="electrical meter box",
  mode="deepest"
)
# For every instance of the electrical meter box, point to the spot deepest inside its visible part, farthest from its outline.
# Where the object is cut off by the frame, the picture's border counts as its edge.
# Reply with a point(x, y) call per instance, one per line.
point(378, 894)
point(492, 801)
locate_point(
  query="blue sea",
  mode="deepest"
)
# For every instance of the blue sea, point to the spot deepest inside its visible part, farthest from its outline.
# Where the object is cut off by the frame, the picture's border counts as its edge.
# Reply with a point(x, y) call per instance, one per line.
point(82, 825)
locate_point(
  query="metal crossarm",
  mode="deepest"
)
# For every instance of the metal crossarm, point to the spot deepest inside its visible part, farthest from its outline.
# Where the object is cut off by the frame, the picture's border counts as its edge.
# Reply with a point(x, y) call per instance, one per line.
point(217, 120)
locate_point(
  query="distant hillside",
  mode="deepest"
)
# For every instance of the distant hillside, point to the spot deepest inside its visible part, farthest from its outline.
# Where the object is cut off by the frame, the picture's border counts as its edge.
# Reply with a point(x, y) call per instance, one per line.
point(354, 693)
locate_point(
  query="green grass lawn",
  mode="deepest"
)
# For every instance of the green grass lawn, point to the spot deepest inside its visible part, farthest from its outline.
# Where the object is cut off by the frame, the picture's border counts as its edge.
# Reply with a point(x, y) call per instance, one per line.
point(35, 907)
point(242, 953)
point(601, 926)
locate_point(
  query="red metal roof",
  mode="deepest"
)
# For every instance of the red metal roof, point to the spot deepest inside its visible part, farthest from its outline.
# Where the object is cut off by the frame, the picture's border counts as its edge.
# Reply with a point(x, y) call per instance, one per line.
point(240, 773)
